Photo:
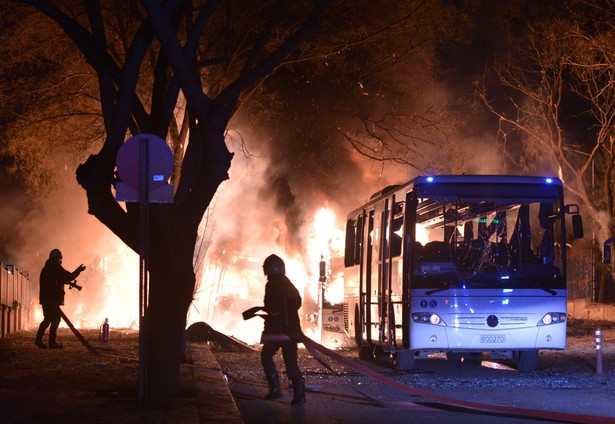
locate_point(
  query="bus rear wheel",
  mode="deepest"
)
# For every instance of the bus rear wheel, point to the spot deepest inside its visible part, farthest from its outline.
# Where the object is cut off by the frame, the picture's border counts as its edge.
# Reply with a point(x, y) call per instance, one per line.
point(526, 360)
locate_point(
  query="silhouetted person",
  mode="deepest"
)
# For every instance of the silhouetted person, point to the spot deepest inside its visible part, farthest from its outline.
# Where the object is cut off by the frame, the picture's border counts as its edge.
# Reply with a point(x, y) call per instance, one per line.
point(51, 296)
point(282, 329)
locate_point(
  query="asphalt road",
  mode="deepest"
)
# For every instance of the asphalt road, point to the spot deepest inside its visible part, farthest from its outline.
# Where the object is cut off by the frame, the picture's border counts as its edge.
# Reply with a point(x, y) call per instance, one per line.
point(566, 382)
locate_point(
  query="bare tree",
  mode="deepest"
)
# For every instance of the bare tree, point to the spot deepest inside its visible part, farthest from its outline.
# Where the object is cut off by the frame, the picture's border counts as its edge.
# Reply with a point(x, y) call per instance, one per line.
point(181, 69)
point(151, 60)
point(562, 78)
point(592, 67)
point(49, 117)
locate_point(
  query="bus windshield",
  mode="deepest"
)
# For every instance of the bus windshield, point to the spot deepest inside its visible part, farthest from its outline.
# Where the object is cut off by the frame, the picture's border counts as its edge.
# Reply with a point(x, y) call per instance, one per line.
point(487, 244)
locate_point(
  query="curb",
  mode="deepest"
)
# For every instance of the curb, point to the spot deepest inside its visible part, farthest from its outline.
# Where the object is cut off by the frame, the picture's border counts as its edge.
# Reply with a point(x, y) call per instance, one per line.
point(215, 403)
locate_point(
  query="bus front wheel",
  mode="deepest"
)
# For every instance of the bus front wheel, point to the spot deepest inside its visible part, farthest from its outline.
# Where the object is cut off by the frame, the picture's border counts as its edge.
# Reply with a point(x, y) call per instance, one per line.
point(526, 360)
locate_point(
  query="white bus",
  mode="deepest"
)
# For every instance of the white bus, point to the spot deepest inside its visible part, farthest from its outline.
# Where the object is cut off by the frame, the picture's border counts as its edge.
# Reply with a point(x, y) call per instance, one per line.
point(468, 265)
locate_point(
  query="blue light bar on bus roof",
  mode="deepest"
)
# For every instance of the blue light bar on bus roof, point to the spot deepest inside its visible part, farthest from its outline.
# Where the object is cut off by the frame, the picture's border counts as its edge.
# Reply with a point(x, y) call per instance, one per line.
point(469, 178)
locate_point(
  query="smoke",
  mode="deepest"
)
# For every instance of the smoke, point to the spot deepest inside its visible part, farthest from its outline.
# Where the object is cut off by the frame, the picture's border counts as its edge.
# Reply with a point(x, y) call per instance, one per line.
point(110, 281)
point(279, 183)
point(271, 204)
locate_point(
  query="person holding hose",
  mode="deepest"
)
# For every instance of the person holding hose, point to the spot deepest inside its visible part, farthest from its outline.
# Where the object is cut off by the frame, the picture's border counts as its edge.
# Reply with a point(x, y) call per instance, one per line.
point(282, 329)
point(51, 296)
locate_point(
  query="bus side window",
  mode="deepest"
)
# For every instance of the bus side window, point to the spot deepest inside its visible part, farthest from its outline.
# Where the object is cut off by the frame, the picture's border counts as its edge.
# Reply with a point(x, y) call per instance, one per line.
point(358, 245)
point(351, 242)
point(396, 237)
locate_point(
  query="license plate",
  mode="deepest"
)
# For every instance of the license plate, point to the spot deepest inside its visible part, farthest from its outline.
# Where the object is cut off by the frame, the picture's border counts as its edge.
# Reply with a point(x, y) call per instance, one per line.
point(493, 339)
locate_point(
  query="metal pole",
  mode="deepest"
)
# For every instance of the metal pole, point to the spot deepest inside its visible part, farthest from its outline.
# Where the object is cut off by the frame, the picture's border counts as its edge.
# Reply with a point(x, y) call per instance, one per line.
point(322, 281)
point(593, 243)
point(143, 256)
point(598, 351)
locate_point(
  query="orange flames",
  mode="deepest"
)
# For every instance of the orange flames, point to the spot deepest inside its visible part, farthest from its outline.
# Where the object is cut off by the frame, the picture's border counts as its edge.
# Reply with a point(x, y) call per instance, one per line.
point(230, 283)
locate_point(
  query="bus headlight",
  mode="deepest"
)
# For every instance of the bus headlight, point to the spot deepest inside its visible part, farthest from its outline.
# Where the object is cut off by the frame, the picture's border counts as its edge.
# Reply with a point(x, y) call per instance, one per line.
point(552, 318)
point(427, 318)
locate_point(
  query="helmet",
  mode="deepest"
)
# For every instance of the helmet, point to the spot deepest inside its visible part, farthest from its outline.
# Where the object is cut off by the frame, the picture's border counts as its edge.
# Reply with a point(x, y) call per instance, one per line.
point(55, 254)
point(274, 265)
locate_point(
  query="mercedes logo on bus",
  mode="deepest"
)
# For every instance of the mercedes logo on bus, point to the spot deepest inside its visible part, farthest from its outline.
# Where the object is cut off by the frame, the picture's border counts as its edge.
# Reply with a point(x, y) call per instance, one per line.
point(492, 321)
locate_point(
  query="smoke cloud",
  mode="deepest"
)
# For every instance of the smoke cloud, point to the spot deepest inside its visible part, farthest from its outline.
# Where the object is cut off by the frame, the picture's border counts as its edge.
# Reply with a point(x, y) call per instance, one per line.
point(110, 281)
point(279, 181)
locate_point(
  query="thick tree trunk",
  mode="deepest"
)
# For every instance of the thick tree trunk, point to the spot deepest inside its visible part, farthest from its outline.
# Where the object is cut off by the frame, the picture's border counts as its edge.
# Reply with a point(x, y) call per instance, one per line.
point(205, 165)
point(172, 237)
point(171, 289)
point(171, 267)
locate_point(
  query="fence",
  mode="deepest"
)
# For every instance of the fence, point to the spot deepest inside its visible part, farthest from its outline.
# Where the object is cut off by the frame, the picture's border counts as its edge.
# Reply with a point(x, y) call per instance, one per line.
point(581, 270)
point(15, 300)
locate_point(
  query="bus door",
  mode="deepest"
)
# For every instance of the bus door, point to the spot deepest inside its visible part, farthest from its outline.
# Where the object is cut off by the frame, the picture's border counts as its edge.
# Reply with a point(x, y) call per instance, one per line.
point(365, 292)
point(381, 291)
point(410, 254)
point(373, 275)
point(383, 275)
point(395, 273)
point(391, 274)
point(389, 284)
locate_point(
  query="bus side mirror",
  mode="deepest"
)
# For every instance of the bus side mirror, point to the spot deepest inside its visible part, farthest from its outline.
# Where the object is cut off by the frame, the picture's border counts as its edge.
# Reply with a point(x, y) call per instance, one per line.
point(577, 222)
point(577, 226)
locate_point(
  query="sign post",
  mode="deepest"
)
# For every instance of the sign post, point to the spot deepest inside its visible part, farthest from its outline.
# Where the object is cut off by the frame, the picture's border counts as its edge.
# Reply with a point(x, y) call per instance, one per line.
point(144, 164)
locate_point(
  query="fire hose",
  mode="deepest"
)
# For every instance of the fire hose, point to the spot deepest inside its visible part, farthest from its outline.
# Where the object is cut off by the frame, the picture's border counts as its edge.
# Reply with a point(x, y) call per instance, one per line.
point(315, 349)
point(78, 334)
point(364, 399)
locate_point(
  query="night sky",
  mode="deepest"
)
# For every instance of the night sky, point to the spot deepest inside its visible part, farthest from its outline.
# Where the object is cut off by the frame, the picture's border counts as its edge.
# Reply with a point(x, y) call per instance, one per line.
point(405, 96)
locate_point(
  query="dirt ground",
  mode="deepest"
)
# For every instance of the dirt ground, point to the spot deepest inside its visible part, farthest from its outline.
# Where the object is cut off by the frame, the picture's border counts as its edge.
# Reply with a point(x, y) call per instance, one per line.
point(73, 385)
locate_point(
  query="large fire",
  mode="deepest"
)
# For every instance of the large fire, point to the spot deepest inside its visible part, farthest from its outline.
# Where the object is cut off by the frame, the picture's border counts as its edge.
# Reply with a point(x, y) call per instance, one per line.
point(229, 283)
point(110, 291)
point(234, 281)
